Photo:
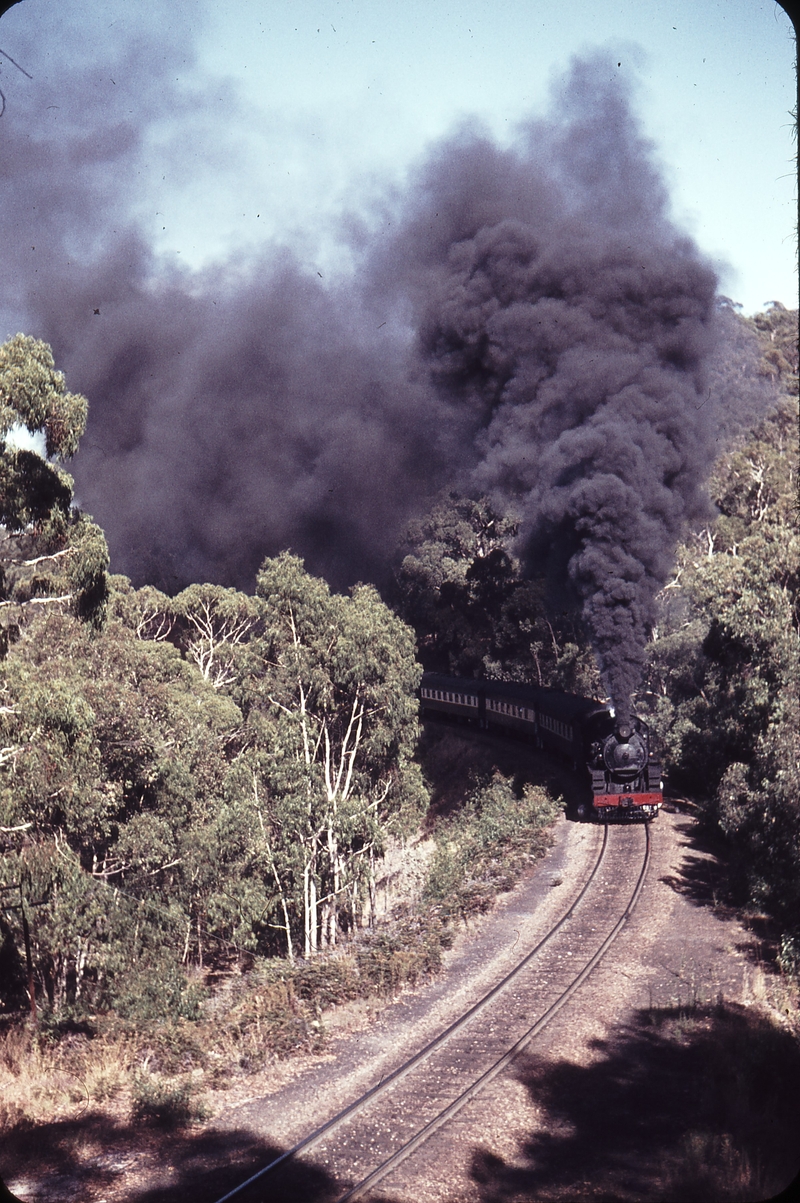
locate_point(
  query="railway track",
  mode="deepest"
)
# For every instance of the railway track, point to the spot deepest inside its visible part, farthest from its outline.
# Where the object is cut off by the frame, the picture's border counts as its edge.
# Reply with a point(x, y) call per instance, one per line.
point(368, 1141)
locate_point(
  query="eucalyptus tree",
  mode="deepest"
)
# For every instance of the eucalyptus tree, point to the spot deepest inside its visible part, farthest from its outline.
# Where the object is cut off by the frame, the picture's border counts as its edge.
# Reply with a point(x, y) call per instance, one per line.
point(212, 625)
point(330, 730)
point(50, 553)
point(475, 612)
point(115, 756)
point(724, 674)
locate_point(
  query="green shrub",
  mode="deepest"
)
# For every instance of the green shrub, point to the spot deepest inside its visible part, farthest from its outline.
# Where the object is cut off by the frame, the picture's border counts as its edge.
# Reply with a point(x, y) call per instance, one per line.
point(269, 1019)
point(327, 981)
point(407, 953)
point(789, 955)
point(482, 850)
point(168, 1104)
point(157, 992)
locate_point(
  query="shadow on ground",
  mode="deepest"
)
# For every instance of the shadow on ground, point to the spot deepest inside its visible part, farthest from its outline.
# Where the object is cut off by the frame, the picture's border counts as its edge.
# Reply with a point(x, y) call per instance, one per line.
point(689, 1105)
point(704, 879)
point(91, 1158)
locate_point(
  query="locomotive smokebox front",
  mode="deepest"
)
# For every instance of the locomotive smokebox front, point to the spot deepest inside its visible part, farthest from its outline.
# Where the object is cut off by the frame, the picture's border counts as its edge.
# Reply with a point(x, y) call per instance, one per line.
point(625, 753)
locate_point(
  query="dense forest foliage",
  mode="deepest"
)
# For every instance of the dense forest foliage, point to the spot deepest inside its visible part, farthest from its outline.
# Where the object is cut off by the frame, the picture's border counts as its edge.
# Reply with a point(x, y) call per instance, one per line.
point(723, 678)
point(187, 779)
point(182, 776)
point(723, 670)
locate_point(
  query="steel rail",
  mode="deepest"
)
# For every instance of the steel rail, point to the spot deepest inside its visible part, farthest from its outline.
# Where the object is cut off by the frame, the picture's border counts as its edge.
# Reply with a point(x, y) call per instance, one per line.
point(439, 1121)
point(402, 1070)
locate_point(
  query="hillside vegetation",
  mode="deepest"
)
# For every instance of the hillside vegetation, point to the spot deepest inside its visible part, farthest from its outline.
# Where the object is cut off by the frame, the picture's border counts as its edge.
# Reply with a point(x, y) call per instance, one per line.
point(196, 791)
point(722, 678)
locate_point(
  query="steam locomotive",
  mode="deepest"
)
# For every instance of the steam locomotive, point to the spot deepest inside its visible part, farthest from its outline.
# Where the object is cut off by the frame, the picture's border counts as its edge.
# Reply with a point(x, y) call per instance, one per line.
point(617, 760)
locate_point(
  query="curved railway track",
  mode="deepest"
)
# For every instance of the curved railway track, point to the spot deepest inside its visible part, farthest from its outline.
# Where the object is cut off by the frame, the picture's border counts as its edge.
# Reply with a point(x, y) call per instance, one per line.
point(369, 1140)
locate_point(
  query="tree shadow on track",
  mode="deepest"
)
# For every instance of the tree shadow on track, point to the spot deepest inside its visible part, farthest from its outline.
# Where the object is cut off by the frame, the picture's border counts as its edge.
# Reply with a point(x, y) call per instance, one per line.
point(94, 1158)
point(691, 1105)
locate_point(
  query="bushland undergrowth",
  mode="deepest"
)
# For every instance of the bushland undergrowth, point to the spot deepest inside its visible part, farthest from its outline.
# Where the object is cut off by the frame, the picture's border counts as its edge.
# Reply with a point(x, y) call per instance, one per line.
point(156, 1057)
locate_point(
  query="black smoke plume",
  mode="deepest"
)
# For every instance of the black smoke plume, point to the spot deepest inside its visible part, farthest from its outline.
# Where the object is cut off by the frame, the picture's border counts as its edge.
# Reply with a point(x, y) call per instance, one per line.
point(562, 313)
point(534, 326)
point(234, 411)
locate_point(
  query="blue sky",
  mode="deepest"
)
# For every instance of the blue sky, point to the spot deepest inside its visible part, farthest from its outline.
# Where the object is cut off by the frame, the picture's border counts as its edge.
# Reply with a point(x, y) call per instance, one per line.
point(347, 94)
point(320, 107)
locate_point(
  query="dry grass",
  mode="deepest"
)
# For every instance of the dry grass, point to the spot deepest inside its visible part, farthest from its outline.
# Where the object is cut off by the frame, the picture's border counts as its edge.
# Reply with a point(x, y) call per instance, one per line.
point(41, 1080)
point(167, 1073)
point(710, 1166)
